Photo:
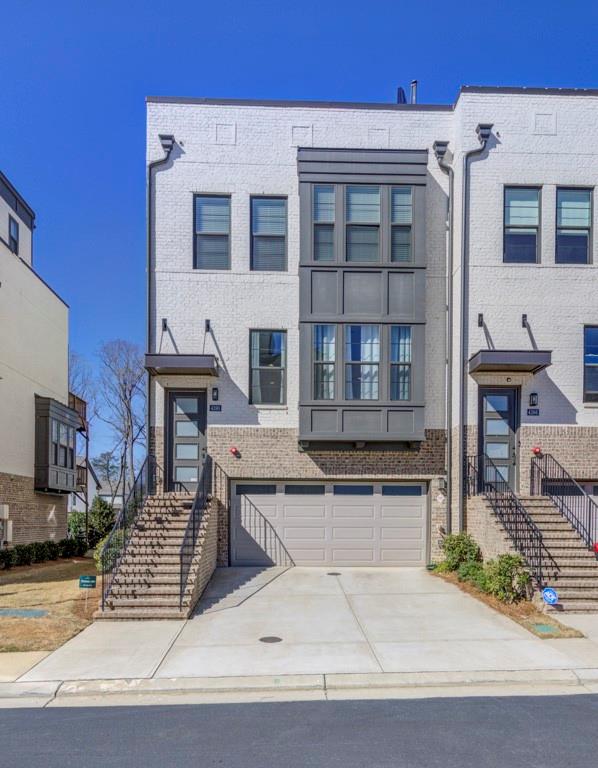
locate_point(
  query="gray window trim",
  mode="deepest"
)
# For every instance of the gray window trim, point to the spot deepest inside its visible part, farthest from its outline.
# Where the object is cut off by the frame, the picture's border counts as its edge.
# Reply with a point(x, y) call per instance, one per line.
point(379, 363)
point(588, 397)
point(15, 249)
point(392, 365)
point(283, 368)
point(589, 230)
point(195, 232)
point(286, 231)
point(538, 228)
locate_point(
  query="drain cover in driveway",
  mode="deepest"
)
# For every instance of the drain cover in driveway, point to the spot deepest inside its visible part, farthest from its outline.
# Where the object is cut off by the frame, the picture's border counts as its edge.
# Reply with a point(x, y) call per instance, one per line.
point(270, 639)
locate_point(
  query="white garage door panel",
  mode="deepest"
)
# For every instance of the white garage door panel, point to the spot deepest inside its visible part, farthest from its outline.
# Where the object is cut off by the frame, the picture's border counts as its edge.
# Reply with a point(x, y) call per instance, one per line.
point(388, 527)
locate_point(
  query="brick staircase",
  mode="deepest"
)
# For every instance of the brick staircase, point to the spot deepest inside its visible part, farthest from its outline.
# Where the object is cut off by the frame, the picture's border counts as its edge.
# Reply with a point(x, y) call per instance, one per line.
point(147, 582)
point(577, 577)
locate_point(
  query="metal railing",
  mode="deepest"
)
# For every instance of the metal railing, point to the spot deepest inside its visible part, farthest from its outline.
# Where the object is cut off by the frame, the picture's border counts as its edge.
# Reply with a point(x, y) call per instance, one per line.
point(146, 482)
point(484, 478)
point(187, 551)
point(549, 478)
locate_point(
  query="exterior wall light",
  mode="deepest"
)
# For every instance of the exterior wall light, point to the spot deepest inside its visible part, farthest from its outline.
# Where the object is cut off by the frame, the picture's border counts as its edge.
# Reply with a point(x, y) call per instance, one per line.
point(533, 398)
point(215, 393)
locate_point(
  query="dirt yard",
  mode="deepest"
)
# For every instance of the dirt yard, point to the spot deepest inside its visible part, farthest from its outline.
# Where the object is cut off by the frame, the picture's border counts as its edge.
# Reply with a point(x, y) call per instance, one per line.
point(52, 587)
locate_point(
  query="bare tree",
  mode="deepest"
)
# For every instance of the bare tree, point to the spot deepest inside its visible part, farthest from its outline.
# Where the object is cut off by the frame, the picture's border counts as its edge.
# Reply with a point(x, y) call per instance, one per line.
point(82, 382)
point(122, 399)
point(109, 470)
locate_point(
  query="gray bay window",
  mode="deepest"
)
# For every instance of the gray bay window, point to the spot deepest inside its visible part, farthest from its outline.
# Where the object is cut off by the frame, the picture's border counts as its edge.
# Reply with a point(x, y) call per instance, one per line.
point(573, 226)
point(212, 232)
point(362, 362)
point(268, 361)
point(363, 223)
point(269, 234)
point(521, 225)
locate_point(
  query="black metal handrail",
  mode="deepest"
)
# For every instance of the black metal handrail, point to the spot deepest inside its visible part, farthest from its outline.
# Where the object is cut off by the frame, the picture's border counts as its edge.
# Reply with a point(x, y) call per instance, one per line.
point(484, 478)
point(549, 478)
point(114, 548)
point(187, 551)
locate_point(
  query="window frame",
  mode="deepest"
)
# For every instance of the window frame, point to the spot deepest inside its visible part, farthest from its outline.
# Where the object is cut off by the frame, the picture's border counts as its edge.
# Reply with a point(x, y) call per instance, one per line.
point(286, 232)
point(378, 364)
point(321, 363)
point(382, 191)
point(283, 368)
point(318, 225)
point(537, 227)
point(397, 364)
point(588, 397)
point(13, 248)
point(395, 225)
point(225, 196)
point(589, 229)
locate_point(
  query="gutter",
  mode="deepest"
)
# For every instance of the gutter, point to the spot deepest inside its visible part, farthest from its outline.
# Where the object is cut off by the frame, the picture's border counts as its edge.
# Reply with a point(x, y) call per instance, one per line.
point(167, 142)
point(483, 131)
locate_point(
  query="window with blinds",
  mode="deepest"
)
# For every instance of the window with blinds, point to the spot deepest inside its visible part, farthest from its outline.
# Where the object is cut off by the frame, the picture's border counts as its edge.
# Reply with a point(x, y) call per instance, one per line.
point(401, 221)
point(323, 223)
point(573, 226)
point(521, 225)
point(268, 234)
point(212, 232)
point(362, 224)
point(268, 362)
point(400, 362)
point(362, 362)
point(324, 361)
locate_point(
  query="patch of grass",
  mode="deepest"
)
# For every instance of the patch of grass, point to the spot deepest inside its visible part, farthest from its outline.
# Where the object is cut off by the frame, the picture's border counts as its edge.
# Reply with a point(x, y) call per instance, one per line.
point(52, 586)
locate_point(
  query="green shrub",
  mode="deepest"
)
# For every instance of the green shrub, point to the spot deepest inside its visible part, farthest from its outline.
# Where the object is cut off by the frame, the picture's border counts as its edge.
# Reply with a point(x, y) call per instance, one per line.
point(459, 548)
point(507, 578)
point(52, 550)
point(67, 548)
point(473, 572)
point(23, 554)
point(101, 520)
point(80, 547)
point(111, 555)
point(7, 558)
point(76, 524)
point(39, 551)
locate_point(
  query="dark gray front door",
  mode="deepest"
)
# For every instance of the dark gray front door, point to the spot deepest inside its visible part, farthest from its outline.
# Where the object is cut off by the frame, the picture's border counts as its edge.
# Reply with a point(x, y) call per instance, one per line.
point(185, 438)
point(498, 428)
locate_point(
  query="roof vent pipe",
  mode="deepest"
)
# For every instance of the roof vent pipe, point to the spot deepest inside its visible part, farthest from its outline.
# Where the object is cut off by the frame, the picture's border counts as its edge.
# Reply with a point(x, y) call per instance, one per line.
point(414, 91)
point(401, 98)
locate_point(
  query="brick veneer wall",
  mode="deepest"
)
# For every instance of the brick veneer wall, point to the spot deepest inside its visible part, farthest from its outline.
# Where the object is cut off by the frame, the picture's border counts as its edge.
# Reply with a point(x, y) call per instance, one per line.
point(35, 516)
point(576, 448)
point(207, 552)
point(492, 538)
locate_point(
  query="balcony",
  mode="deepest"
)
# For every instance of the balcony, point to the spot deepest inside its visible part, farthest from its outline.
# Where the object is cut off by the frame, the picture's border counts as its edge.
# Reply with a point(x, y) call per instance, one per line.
point(79, 405)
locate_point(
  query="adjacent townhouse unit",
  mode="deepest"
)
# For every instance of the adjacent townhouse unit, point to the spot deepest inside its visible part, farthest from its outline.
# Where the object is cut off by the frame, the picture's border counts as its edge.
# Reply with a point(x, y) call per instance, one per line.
point(376, 324)
point(38, 419)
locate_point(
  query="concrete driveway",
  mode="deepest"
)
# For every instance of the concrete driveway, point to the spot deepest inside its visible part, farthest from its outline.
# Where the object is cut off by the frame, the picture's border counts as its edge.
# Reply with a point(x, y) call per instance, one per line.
point(254, 621)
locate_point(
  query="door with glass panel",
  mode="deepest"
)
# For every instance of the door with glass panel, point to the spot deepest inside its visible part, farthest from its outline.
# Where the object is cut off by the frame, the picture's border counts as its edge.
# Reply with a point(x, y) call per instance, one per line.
point(498, 431)
point(186, 439)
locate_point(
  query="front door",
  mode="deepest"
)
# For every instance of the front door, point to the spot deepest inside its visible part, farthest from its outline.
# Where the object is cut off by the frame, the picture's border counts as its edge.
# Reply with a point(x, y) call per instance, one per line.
point(185, 438)
point(498, 433)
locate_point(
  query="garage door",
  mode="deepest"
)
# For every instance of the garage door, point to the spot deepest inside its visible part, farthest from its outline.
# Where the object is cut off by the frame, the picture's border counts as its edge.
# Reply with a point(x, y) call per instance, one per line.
point(328, 524)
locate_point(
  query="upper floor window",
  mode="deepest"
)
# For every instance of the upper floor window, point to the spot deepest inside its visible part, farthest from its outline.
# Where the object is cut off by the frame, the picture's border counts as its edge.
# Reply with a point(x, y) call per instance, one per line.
point(323, 221)
point(268, 355)
point(573, 226)
point(212, 232)
point(590, 364)
point(521, 224)
point(63, 445)
point(269, 234)
point(13, 235)
point(363, 224)
point(401, 221)
point(324, 356)
point(362, 362)
point(400, 362)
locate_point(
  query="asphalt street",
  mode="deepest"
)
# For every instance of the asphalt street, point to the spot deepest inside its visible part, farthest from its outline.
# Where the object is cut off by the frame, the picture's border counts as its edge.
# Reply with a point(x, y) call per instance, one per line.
point(508, 732)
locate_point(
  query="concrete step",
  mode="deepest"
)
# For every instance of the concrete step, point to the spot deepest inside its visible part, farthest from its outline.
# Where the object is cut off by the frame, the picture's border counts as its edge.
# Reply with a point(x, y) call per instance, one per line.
point(134, 591)
point(579, 573)
point(165, 601)
point(575, 606)
point(114, 614)
point(561, 535)
point(575, 582)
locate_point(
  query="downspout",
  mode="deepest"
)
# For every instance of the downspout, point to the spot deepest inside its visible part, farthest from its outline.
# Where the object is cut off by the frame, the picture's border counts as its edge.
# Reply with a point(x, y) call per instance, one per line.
point(167, 142)
point(483, 131)
point(440, 149)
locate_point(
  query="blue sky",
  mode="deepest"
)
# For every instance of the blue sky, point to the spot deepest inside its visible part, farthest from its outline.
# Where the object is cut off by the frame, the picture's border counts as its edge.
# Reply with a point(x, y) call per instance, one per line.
point(75, 75)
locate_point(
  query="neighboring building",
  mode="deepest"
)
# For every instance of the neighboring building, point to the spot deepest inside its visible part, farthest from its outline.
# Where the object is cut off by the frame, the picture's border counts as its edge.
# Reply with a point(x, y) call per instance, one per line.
point(37, 426)
point(348, 300)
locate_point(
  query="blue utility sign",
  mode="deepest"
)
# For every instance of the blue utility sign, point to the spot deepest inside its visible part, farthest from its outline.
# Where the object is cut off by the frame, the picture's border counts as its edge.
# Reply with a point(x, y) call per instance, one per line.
point(87, 582)
point(550, 596)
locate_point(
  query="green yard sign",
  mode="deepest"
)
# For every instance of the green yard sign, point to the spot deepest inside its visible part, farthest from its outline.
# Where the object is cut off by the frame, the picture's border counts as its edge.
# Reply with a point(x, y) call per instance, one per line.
point(87, 582)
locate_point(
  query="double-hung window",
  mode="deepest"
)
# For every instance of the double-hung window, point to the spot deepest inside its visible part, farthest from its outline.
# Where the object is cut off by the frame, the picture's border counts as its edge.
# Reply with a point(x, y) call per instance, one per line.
point(362, 224)
point(268, 355)
point(590, 364)
point(400, 362)
point(212, 232)
point(269, 234)
point(324, 356)
point(573, 226)
point(362, 362)
point(323, 218)
point(521, 225)
point(13, 235)
point(401, 222)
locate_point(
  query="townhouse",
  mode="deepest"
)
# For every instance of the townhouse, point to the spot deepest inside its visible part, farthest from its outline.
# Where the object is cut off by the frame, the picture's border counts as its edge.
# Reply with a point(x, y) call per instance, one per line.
point(38, 419)
point(349, 304)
